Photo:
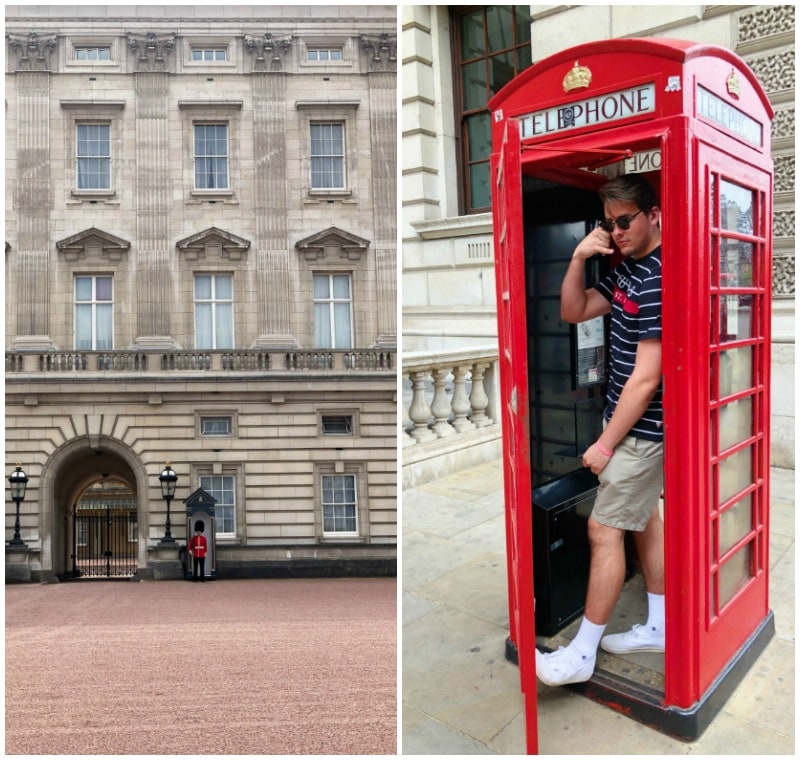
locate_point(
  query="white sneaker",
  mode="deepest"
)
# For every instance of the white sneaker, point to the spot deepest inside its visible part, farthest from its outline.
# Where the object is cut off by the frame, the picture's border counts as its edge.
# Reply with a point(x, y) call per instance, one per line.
point(640, 638)
point(563, 666)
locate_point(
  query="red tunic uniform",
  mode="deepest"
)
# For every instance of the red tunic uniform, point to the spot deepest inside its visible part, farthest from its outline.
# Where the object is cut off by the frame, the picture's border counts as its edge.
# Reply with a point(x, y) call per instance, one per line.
point(198, 546)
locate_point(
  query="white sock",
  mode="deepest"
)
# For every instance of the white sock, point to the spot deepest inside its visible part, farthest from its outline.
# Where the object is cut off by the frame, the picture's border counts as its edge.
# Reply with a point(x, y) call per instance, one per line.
point(655, 612)
point(588, 638)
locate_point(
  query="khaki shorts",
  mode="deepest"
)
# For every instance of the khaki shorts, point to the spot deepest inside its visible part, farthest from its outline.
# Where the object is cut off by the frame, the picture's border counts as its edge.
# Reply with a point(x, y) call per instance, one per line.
point(630, 484)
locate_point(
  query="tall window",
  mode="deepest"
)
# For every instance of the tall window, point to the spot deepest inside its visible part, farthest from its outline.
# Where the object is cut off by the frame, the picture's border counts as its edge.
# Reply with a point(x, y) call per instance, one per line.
point(493, 45)
point(333, 314)
point(213, 310)
point(327, 156)
point(210, 156)
point(339, 506)
point(93, 156)
point(94, 313)
point(223, 489)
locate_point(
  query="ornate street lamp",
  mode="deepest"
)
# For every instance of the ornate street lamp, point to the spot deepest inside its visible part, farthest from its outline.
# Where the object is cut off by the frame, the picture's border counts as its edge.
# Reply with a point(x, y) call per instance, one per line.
point(168, 480)
point(19, 481)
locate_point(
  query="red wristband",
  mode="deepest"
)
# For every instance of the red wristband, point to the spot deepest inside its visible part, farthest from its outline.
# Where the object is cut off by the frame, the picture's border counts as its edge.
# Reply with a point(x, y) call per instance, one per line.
point(603, 451)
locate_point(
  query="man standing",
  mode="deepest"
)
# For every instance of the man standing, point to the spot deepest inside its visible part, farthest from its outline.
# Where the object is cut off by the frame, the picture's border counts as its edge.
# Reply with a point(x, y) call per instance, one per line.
point(628, 455)
point(198, 548)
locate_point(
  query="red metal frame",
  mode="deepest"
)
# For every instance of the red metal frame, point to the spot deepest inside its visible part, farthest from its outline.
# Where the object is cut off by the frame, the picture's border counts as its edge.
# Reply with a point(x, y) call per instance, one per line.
point(696, 141)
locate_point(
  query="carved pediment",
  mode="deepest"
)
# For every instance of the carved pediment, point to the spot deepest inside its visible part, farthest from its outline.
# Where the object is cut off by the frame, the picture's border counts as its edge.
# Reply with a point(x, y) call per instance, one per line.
point(332, 243)
point(93, 244)
point(213, 243)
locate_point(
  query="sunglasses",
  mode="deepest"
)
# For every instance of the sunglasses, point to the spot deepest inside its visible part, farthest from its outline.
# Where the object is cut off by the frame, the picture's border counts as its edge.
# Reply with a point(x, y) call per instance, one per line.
point(623, 222)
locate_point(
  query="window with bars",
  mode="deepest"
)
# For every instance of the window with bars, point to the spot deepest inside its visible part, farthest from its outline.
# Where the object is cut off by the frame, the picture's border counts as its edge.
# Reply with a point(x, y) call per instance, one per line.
point(327, 156)
point(211, 156)
point(493, 45)
point(94, 313)
point(93, 156)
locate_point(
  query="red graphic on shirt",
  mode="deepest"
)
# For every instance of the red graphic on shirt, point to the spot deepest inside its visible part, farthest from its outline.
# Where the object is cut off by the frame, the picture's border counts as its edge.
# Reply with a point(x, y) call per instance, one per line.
point(628, 306)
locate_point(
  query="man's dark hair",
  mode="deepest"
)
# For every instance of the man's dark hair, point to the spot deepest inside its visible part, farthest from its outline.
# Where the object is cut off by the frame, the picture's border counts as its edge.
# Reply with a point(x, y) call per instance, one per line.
point(630, 188)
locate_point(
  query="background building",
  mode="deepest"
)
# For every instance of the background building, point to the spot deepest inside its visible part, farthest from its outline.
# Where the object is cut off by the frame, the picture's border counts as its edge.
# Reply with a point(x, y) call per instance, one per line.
point(454, 59)
point(201, 270)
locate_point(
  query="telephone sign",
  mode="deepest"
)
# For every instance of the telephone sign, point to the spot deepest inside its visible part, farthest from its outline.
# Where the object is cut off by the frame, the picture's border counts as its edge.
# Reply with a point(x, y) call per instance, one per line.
point(695, 121)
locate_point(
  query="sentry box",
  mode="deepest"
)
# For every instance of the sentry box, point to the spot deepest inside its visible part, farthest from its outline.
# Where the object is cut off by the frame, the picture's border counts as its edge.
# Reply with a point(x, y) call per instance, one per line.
point(694, 119)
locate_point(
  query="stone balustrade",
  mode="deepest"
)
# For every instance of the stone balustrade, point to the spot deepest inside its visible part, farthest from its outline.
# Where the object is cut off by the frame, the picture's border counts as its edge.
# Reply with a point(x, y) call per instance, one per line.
point(245, 360)
point(448, 393)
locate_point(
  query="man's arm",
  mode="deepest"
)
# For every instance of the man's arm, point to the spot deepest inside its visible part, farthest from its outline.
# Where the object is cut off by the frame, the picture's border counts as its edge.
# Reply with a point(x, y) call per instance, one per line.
point(577, 302)
point(636, 396)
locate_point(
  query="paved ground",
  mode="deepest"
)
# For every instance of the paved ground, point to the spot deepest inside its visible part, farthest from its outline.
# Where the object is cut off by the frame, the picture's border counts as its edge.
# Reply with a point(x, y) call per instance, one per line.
point(224, 667)
point(460, 695)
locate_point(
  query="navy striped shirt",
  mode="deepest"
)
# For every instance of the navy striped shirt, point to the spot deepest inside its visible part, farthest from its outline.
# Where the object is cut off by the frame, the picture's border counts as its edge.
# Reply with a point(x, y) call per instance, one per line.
point(634, 290)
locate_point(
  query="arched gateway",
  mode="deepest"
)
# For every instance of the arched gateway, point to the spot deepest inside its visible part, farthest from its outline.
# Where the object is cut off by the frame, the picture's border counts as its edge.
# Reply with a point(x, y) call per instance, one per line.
point(91, 521)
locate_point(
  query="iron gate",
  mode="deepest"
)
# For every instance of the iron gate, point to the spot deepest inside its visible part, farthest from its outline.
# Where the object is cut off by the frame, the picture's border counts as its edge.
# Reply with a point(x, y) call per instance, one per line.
point(104, 543)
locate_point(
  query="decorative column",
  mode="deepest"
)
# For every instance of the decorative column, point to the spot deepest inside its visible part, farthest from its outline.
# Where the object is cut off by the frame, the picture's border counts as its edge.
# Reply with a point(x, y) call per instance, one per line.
point(154, 261)
point(33, 192)
point(381, 61)
point(270, 184)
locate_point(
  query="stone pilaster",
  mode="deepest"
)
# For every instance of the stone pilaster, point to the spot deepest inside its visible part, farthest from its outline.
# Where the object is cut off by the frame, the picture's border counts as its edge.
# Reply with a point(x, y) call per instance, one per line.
point(381, 56)
point(33, 192)
point(272, 249)
point(154, 260)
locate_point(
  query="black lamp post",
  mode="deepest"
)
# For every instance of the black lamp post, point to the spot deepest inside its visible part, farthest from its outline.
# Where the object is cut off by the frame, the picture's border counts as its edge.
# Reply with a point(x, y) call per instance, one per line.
point(168, 480)
point(19, 481)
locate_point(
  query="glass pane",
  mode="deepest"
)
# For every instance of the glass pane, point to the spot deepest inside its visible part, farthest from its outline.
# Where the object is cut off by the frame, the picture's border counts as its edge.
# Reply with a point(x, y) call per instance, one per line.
point(735, 523)
point(479, 136)
point(224, 285)
point(224, 325)
point(735, 422)
point(474, 83)
point(736, 318)
point(735, 474)
point(499, 27)
point(322, 325)
point(472, 43)
point(736, 264)
point(341, 286)
point(734, 574)
point(203, 333)
point(735, 370)
point(736, 207)
point(522, 23)
point(501, 71)
point(480, 194)
point(83, 327)
point(104, 288)
point(105, 321)
point(523, 58)
point(341, 315)
point(321, 286)
point(202, 286)
point(83, 288)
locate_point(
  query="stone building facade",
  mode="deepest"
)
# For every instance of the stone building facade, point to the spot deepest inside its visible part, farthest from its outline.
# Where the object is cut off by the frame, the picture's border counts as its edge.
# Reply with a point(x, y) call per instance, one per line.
point(201, 270)
point(446, 226)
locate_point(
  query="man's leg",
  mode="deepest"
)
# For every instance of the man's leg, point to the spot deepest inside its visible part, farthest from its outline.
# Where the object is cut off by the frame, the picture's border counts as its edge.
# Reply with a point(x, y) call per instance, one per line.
point(575, 663)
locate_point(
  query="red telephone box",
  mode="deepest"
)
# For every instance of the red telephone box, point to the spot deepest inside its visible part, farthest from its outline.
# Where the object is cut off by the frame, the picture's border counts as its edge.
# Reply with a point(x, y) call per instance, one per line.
point(696, 121)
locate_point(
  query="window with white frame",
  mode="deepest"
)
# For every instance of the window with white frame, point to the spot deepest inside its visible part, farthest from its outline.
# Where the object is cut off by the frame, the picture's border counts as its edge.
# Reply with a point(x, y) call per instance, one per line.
point(333, 311)
point(324, 54)
point(223, 489)
point(93, 156)
point(92, 52)
point(210, 53)
point(94, 312)
point(339, 505)
point(215, 426)
point(213, 310)
point(327, 156)
point(211, 157)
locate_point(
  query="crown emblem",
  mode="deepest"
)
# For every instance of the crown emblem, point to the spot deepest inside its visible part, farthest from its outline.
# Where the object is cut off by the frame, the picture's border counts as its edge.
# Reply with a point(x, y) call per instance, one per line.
point(733, 84)
point(578, 76)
